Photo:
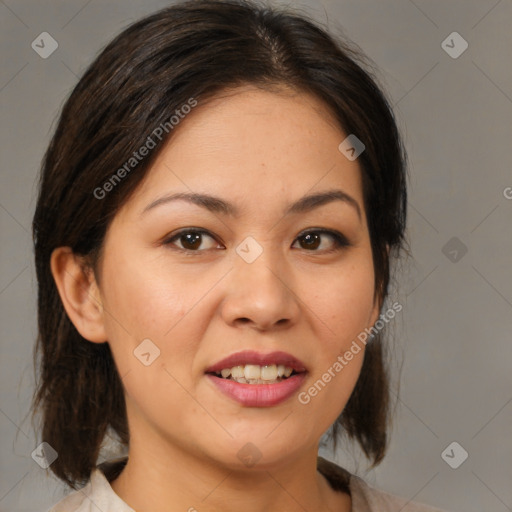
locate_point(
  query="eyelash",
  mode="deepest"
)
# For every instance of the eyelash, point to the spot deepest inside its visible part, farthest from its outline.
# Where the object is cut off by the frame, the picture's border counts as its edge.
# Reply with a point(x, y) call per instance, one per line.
point(340, 241)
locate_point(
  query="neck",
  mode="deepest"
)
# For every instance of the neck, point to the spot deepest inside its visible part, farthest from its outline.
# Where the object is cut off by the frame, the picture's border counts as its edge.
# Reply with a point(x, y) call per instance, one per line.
point(172, 480)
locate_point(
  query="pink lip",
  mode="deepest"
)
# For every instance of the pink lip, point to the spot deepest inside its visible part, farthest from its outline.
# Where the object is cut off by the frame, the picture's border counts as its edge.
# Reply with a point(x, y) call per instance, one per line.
point(259, 395)
point(252, 357)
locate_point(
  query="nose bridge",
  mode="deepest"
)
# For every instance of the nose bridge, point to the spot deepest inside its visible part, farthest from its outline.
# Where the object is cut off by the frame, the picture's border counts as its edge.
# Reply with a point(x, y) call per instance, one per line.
point(259, 292)
point(258, 265)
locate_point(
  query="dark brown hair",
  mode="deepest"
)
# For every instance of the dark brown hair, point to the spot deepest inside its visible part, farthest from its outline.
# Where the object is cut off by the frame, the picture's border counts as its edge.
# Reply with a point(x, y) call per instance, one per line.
point(194, 49)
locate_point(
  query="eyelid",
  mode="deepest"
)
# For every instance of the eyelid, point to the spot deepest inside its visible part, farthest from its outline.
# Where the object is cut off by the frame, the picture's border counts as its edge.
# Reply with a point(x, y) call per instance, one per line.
point(326, 231)
point(167, 240)
point(340, 240)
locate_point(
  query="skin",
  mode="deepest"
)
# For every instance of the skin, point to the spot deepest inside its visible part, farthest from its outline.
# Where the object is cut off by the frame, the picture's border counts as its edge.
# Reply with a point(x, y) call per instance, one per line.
point(261, 151)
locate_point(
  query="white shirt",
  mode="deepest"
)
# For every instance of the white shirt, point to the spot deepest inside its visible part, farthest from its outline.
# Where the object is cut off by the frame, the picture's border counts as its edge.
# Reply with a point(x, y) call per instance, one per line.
point(99, 495)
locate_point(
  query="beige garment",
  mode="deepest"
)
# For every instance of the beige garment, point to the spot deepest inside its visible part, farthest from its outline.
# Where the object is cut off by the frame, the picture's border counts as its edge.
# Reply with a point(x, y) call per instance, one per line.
point(98, 495)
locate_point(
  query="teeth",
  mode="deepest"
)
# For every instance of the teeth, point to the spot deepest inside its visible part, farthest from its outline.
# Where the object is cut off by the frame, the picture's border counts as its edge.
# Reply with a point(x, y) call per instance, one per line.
point(269, 372)
point(252, 371)
point(255, 374)
point(237, 372)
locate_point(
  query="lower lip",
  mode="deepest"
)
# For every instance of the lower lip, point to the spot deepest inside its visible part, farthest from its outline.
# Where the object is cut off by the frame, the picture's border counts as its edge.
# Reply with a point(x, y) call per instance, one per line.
point(259, 395)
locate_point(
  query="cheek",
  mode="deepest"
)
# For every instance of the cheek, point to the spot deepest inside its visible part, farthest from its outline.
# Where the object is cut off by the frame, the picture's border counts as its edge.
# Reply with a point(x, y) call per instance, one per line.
point(344, 308)
point(151, 301)
point(143, 302)
point(344, 303)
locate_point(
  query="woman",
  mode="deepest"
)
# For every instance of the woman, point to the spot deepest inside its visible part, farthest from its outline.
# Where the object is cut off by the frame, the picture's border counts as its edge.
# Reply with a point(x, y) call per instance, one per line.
point(218, 213)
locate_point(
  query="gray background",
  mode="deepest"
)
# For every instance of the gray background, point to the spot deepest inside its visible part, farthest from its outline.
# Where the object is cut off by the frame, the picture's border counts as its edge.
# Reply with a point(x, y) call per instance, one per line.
point(454, 334)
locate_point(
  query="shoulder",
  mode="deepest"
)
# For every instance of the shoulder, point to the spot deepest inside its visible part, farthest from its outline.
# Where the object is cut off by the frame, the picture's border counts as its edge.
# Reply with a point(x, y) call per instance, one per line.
point(76, 501)
point(71, 503)
point(96, 495)
point(366, 498)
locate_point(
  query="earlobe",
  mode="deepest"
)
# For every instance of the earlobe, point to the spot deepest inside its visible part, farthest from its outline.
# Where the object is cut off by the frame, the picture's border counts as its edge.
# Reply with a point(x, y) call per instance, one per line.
point(378, 299)
point(79, 293)
point(375, 312)
point(377, 305)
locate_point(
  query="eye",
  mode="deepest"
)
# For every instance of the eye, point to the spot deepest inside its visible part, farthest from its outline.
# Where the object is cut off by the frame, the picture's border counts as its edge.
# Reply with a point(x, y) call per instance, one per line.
point(314, 239)
point(192, 240)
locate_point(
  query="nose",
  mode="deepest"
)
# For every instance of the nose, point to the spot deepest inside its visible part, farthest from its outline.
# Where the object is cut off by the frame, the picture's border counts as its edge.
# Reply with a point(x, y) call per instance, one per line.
point(260, 295)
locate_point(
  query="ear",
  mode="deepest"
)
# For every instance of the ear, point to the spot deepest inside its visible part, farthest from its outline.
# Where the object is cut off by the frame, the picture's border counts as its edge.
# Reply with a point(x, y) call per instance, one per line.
point(79, 293)
point(375, 311)
point(378, 300)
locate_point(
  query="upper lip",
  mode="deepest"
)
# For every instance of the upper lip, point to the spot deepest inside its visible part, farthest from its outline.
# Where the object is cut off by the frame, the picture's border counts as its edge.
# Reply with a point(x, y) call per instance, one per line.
point(253, 357)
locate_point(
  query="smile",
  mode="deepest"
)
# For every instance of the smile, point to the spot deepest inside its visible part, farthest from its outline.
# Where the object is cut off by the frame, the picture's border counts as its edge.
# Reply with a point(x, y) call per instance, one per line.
point(258, 380)
point(255, 374)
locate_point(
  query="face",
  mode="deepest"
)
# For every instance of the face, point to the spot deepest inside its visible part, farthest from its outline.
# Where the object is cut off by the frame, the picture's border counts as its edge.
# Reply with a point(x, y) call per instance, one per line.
point(257, 275)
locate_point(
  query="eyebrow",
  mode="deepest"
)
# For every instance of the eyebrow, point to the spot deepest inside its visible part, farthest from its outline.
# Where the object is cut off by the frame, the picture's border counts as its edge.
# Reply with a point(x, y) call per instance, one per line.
point(218, 205)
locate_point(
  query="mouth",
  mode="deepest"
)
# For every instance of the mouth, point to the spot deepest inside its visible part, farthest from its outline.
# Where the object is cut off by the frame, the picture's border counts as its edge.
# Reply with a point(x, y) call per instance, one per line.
point(256, 374)
point(258, 380)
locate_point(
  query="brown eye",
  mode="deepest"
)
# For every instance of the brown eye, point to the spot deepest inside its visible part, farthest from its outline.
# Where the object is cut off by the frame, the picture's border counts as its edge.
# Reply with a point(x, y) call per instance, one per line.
point(313, 240)
point(191, 240)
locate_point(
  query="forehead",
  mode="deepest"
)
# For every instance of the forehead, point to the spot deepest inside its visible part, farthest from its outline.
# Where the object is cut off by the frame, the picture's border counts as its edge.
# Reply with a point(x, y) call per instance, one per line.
point(256, 148)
